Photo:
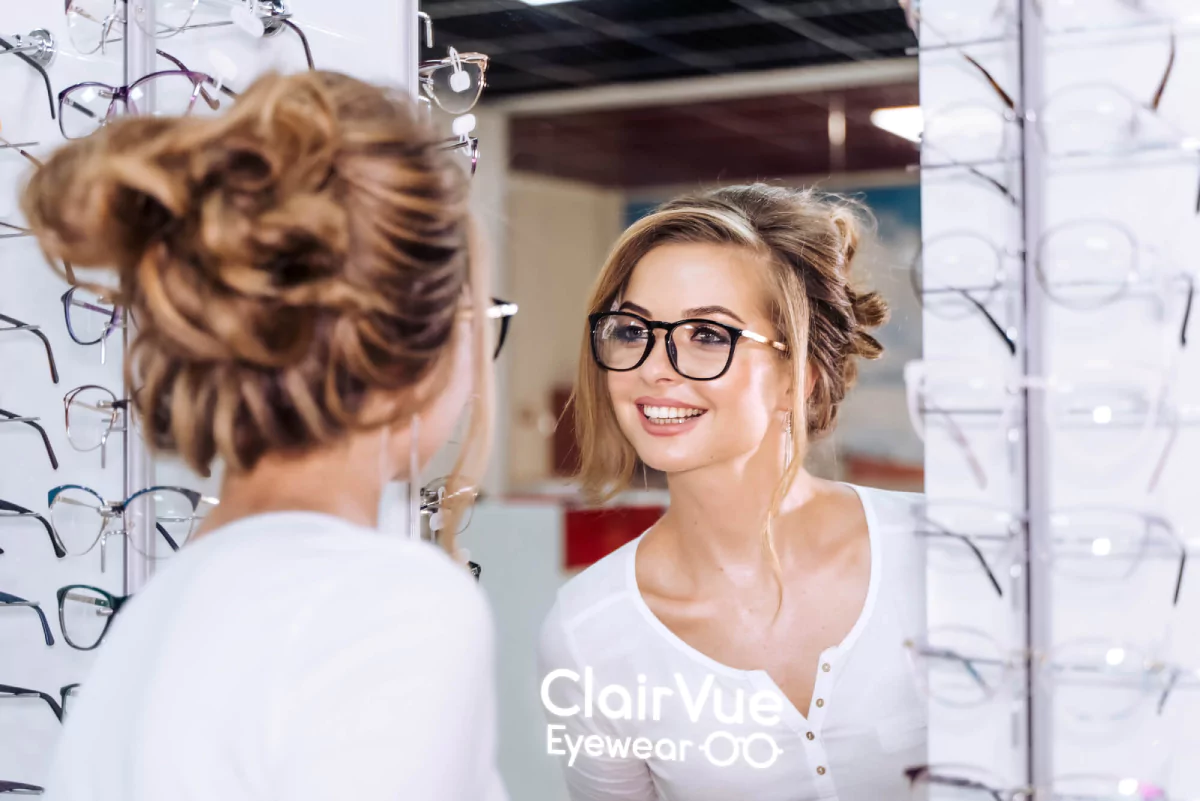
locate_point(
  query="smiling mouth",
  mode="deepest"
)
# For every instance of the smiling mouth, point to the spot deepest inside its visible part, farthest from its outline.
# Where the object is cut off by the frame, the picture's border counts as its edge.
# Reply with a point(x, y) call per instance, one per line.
point(669, 415)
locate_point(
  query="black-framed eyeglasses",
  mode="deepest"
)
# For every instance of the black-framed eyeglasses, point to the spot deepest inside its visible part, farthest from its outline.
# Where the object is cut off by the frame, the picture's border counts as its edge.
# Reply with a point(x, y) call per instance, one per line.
point(9, 509)
point(37, 50)
point(93, 414)
point(10, 692)
point(20, 788)
point(10, 417)
point(85, 614)
point(622, 341)
point(500, 315)
point(91, 318)
point(13, 324)
point(7, 599)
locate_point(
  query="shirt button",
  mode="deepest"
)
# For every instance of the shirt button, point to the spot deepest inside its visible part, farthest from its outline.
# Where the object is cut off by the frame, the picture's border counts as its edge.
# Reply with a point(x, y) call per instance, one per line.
point(811, 736)
point(820, 702)
point(820, 770)
point(825, 667)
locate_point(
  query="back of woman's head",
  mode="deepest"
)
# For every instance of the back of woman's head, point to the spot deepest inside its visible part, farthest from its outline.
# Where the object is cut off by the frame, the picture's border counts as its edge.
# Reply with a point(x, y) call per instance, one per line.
point(807, 242)
point(284, 263)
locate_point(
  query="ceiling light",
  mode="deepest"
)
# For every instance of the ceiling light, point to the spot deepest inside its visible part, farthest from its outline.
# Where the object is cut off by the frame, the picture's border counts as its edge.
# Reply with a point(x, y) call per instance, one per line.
point(544, 2)
point(903, 121)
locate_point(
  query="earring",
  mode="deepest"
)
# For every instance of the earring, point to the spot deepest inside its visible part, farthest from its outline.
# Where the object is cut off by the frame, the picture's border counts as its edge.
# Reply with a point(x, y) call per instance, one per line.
point(787, 440)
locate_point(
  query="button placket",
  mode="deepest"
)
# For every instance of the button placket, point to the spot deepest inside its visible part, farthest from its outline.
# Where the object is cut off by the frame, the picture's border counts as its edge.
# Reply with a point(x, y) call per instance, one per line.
point(814, 746)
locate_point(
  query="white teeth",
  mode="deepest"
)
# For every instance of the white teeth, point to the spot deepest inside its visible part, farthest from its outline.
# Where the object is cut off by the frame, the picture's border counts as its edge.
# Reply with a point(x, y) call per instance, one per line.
point(670, 414)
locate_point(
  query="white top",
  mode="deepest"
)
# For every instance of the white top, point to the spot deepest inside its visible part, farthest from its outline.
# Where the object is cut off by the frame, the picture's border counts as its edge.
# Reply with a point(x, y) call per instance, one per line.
point(290, 656)
point(867, 722)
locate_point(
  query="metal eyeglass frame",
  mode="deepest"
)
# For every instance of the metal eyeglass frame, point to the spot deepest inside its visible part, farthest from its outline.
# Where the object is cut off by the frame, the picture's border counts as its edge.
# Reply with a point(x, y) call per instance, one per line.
point(116, 407)
point(453, 61)
point(116, 320)
point(273, 14)
point(110, 510)
point(16, 510)
point(7, 599)
point(119, 96)
point(108, 604)
point(735, 335)
point(37, 49)
point(433, 495)
point(953, 776)
point(32, 422)
point(14, 324)
point(469, 145)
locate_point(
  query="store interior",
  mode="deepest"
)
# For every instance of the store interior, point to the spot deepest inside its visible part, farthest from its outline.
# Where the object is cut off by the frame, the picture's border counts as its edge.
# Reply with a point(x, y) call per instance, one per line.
point(1031, 170)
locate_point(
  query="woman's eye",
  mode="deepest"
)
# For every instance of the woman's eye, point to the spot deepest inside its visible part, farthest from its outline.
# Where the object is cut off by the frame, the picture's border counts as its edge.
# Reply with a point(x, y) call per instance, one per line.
point(708, 335)
point(630, 333)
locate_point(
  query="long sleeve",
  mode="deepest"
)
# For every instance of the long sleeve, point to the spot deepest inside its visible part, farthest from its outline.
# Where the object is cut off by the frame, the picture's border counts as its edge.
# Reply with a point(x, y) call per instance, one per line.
point(588, 778)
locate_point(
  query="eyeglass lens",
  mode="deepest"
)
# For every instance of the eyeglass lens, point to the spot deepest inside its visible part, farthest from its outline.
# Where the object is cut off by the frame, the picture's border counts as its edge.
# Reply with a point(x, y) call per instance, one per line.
point(697, 349)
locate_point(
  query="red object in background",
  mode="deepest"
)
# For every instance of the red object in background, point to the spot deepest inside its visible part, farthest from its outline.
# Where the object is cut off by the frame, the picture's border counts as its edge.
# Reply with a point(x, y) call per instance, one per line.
point(592, 534)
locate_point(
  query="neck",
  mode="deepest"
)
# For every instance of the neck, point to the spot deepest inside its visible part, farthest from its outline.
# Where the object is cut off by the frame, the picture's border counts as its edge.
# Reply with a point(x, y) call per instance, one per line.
point(718, 512)
point(341, 480)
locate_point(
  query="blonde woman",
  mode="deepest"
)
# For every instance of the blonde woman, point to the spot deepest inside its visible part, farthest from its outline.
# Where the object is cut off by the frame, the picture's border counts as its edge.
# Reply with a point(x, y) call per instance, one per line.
point(309, 313)
point(750, 644)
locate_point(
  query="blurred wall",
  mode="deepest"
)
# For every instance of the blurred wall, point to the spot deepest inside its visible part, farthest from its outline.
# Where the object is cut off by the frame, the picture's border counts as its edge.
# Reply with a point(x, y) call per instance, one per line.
point(559, 233)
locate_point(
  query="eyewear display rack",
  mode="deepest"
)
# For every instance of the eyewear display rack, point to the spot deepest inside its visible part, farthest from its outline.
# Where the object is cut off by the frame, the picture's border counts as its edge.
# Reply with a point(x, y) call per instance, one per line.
point(1057, 397)
point(377, 40)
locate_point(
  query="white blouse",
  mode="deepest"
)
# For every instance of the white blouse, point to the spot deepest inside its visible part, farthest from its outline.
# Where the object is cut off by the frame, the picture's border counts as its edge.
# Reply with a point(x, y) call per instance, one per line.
point(635, 713)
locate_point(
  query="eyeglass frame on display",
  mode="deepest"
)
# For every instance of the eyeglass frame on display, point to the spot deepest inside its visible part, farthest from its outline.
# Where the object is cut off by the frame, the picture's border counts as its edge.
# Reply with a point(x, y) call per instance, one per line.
point(119, 406)
point(44, 50)
point(16, 325)
point(32, 422)
point(426, 70)
point(9, 692)
point(1014, 386)
point(115, 602)
point(117, 320)
point(68, 271)
point(735, 335)
point(926, 774)
point(468, 143)
point(7, 599)
point(20, 511)
point(1021, 520)
point(120, 94)
point(20, 788)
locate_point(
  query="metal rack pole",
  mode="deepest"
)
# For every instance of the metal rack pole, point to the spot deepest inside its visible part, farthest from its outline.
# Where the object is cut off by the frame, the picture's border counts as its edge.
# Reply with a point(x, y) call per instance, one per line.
point(139, 528)
point(1035, 361)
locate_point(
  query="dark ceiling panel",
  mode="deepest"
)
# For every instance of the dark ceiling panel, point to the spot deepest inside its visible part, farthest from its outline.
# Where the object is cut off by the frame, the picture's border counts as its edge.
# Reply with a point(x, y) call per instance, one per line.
point(596, 42)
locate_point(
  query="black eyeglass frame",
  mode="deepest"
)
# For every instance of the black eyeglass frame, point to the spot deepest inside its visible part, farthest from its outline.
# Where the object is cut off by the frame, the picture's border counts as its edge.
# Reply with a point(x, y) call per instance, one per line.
point(735, 335)
point(16, 325)
point(115, 602)
point(7, 599)
point(32, 423)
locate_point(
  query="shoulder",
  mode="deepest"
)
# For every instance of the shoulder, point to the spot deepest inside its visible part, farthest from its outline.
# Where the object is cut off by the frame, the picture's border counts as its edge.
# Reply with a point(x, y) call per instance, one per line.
point(890, 511)
point(580, 605)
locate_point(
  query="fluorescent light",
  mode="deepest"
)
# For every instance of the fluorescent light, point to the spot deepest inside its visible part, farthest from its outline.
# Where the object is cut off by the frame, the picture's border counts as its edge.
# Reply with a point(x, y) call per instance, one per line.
point(544, 2)
point(903, 121)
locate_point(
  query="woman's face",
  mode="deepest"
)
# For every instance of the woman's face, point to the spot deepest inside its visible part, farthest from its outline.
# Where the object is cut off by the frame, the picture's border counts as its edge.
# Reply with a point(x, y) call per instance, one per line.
point(726, 418)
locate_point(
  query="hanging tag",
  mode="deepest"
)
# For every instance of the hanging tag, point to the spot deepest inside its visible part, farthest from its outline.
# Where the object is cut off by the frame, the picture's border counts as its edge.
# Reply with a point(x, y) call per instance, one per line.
point(460, 81)
point(223, 67)
point(463, 125)
point(244, 18)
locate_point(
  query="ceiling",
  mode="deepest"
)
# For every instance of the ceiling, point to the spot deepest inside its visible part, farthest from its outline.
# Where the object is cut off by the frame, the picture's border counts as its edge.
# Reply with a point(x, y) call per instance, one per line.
point(601, 43)
point(597, 42)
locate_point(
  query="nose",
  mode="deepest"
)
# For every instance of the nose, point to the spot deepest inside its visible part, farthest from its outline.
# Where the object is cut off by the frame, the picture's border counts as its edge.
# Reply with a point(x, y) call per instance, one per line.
point(657, 368)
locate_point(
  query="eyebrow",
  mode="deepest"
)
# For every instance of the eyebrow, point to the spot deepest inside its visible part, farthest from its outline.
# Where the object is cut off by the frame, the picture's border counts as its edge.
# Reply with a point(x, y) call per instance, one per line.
point(698, 311)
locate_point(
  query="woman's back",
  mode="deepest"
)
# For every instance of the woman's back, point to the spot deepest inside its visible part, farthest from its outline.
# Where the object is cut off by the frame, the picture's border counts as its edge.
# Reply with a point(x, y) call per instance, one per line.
point(290, 655)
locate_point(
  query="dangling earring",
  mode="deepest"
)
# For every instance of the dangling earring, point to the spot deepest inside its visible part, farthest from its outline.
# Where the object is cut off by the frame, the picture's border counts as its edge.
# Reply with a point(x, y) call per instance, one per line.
point(787, 439)
point(414, 481)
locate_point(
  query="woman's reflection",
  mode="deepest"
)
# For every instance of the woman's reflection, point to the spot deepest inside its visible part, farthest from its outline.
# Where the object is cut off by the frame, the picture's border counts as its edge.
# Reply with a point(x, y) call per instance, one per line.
point(750, 644)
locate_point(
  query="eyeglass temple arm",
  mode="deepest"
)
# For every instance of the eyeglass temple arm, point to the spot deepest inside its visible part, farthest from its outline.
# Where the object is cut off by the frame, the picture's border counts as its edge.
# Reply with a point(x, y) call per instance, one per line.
point(45, 78)
point(213, 104)
point(967, 664)
point(42, 431)
point(1187, 309)
point(20, 788)
point(24, 692)
point(1157, 97)
point(8, 599)
point(303, 40)
point(8, 506)
point(1008, 340)
point(963, 538)
point(33, 329)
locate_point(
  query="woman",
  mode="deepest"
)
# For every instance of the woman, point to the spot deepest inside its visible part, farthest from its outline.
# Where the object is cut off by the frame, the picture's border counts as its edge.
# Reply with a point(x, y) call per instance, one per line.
point(757, 629)
point(307, 313)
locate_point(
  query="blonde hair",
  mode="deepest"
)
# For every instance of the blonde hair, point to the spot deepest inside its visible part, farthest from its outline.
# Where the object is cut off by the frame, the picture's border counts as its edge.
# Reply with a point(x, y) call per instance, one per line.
point(808, 240)
point(285, 263)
